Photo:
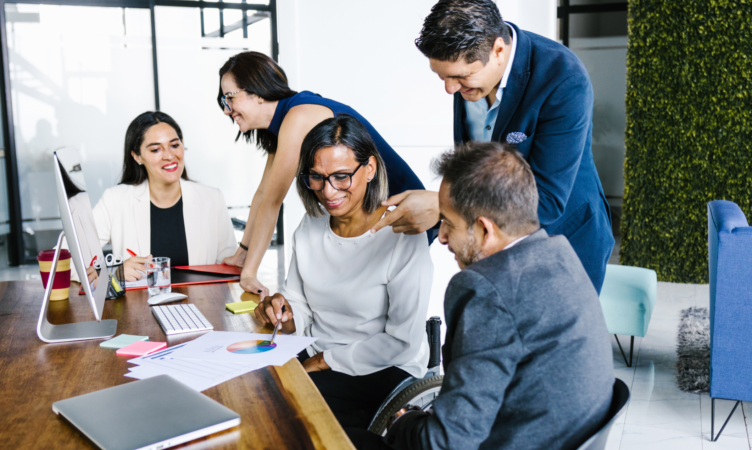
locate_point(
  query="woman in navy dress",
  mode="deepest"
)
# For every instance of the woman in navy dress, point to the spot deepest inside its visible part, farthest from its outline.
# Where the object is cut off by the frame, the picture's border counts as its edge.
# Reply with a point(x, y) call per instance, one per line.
point(254, 93)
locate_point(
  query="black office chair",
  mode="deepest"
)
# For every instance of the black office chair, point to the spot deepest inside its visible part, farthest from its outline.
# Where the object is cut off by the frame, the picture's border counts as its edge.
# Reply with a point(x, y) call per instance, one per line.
point(414, 391)
point(618, 402)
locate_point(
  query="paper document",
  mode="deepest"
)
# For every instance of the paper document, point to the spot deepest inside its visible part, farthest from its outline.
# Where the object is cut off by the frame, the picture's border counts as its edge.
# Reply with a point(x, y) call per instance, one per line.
point(218, 356)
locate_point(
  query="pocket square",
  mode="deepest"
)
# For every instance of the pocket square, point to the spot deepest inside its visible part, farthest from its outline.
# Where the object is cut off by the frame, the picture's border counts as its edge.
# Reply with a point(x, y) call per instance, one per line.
point(516, 137)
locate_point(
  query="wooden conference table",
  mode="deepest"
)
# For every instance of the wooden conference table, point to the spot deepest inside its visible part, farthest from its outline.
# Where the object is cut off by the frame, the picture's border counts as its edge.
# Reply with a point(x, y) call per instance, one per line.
point(279, 406)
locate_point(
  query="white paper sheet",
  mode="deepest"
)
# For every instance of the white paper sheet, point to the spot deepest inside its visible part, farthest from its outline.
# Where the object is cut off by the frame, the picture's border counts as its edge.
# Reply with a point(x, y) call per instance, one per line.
point(206, 361)
point(217, 346)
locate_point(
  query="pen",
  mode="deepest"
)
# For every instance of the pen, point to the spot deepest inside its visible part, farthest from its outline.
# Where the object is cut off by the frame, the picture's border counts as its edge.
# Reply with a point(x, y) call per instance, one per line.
point(92, 261)
point(276, 327)
point(131, 252)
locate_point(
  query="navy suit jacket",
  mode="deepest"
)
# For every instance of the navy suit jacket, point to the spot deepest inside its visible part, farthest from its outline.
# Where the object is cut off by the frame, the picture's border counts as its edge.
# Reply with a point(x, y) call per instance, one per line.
point(549, 98)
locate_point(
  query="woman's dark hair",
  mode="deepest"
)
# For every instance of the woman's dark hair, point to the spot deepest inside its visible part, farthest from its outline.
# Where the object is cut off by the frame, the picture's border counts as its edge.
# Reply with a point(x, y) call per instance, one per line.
point(133, 173)
point(462, 29)
point(347, 131)
point(257, 74)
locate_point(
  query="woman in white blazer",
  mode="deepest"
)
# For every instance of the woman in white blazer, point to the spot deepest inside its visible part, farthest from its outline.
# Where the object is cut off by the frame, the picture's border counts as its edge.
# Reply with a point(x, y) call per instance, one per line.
point(155, 209)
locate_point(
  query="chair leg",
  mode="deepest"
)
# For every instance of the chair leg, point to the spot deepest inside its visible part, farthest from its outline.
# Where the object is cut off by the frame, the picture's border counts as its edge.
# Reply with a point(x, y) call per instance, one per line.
point(631, 349)
point(712, 419)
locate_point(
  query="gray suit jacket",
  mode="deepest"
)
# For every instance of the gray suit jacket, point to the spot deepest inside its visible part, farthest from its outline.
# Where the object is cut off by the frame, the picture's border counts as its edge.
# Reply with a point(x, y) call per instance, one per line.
point(528, 360)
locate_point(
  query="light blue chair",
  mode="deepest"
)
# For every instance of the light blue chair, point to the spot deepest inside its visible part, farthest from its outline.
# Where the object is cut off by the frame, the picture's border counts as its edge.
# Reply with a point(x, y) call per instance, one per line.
point(730, 273)
point(628, 298)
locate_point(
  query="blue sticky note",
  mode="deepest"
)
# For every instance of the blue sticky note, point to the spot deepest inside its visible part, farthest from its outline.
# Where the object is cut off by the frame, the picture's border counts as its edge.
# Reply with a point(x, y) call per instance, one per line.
point(122, 341)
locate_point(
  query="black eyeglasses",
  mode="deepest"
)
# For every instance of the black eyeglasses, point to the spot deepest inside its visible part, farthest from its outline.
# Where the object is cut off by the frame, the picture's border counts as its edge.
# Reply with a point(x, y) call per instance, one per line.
point(339, 181)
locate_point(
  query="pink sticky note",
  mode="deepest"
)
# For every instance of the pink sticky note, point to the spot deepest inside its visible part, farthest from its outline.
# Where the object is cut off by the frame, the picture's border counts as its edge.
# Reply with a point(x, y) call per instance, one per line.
point(141, 348)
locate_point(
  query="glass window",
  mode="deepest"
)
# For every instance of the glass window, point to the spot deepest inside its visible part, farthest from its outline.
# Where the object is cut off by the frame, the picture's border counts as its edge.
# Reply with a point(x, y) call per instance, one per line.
point(188, 86)
point(78, 75)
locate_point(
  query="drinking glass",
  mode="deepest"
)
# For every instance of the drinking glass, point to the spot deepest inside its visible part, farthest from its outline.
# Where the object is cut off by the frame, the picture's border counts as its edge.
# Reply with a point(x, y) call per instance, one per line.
point(158, 275)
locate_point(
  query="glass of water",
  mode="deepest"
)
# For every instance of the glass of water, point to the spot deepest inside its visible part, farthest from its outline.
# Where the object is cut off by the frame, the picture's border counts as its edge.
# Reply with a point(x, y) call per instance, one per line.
point(158, 275)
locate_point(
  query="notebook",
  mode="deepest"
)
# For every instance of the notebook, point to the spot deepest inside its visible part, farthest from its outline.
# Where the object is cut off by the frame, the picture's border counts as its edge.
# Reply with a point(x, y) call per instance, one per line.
point(152, 414)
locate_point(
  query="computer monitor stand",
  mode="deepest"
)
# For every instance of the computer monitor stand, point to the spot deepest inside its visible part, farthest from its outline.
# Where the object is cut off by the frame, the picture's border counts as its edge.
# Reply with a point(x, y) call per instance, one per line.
point(48, 332)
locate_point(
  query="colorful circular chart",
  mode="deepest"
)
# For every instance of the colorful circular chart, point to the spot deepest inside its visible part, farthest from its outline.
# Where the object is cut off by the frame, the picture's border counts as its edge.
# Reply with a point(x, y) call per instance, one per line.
point(249, 347)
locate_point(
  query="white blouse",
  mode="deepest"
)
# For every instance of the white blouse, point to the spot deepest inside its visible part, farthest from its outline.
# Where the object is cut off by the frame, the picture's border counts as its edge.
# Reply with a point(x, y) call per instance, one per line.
point(364, 298)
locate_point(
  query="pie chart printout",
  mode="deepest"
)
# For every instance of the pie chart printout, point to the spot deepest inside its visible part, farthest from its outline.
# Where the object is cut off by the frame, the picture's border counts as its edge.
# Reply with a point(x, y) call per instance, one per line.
point(250, 347)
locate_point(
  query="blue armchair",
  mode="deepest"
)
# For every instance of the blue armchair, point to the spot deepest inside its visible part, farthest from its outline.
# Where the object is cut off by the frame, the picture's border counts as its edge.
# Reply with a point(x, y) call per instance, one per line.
point(730, 271)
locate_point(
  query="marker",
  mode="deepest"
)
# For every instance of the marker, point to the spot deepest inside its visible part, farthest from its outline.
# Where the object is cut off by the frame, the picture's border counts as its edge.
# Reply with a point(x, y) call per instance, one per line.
point(276, 327)
point(130, 251)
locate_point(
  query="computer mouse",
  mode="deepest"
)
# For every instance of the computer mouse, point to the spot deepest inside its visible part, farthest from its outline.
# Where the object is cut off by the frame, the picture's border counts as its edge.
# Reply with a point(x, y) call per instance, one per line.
point(166, 298)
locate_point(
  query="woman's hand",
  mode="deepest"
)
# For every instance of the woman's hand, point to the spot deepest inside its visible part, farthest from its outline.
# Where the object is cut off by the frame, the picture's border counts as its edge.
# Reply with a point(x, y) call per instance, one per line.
point(316, 363)
point(251, 284)
point(269, 312)
point(134, 267)
point(91, 273)
point(238, 259)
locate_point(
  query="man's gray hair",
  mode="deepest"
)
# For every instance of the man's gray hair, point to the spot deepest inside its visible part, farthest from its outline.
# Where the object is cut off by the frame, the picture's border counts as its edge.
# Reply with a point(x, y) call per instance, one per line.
point(492, 180)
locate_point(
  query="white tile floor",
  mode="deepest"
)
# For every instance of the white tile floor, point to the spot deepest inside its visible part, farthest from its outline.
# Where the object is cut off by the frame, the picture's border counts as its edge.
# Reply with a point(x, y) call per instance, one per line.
point(659, 415)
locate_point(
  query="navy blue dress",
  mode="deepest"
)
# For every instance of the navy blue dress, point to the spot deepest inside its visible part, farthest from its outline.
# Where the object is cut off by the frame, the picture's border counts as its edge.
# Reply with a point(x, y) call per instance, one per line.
point(400, 176)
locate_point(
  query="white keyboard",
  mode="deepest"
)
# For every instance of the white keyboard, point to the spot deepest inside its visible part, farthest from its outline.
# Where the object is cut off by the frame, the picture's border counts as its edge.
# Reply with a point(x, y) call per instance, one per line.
point(181, 318)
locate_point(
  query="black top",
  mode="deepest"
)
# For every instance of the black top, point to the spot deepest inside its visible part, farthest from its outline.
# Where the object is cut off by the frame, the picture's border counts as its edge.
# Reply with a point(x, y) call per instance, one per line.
point(168, 234)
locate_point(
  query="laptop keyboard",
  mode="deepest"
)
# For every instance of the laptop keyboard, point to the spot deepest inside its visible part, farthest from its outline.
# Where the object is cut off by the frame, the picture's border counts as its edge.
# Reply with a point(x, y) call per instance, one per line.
point(181, 318)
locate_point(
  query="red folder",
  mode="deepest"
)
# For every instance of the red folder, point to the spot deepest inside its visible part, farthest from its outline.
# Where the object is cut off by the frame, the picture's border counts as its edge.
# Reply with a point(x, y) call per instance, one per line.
point(223, 269)
point(210, 273)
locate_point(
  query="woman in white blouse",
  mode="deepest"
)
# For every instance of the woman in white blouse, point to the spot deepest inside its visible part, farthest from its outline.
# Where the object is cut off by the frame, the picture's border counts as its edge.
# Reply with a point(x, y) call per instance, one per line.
point(363, 295)
point(155, 209)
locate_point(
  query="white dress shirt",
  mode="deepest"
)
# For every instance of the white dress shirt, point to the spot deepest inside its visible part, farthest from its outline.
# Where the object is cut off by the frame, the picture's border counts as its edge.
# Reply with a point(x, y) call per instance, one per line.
point(479, 118)
point(364, 298)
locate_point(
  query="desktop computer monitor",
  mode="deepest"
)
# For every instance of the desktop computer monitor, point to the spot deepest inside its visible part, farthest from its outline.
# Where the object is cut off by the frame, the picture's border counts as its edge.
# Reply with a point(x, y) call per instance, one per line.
point(79, 227)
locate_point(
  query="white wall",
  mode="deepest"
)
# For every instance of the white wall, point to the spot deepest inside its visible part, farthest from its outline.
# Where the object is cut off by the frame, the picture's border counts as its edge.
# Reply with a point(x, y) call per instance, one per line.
point(538, 16)
point(363, 54)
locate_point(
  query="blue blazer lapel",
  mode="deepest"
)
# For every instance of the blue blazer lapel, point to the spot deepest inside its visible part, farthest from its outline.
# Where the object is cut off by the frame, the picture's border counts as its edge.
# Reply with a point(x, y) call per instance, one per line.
point(516, 85)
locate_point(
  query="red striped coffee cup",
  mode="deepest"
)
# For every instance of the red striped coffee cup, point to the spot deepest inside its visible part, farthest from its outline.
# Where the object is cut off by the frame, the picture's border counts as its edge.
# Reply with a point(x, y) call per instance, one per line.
point(61, 285)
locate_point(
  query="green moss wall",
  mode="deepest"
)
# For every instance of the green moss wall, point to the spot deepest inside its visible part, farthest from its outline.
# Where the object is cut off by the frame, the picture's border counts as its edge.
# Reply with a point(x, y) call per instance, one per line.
point(689, 129)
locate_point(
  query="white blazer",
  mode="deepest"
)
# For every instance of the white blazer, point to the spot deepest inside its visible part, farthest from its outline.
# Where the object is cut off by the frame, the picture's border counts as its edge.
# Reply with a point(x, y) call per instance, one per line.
point(123, 217)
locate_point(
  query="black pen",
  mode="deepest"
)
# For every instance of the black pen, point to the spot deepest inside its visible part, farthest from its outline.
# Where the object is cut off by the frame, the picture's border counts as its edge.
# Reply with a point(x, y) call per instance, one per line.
point(276, 327)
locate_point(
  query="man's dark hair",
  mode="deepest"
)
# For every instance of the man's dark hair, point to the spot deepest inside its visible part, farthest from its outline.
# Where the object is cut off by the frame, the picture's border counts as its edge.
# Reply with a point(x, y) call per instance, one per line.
point(462, 29)
point(491, 180)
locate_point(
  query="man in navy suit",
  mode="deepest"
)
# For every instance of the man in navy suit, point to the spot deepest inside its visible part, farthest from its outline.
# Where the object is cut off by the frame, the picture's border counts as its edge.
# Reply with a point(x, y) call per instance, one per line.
point(517, 87)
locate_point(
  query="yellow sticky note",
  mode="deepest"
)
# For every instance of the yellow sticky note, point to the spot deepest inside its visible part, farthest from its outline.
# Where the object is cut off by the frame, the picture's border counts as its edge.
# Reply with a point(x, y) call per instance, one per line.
point(241, 307)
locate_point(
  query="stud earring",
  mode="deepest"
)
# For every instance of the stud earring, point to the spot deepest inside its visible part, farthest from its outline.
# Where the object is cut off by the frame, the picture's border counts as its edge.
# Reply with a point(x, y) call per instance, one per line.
point(261, 100)
point(139, 163)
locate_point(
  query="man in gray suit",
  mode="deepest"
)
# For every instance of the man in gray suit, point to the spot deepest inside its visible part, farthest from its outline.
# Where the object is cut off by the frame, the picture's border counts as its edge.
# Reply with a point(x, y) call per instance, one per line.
point(527, 358)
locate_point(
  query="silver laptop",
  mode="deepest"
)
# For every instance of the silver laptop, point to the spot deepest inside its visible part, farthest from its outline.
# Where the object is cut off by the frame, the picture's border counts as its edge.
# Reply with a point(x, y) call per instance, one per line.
point(154, 413)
